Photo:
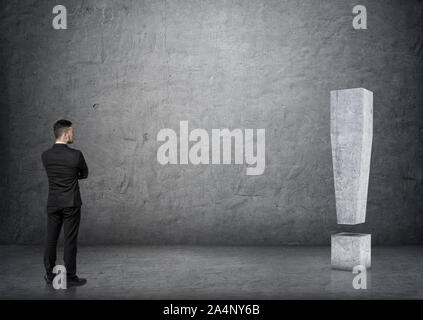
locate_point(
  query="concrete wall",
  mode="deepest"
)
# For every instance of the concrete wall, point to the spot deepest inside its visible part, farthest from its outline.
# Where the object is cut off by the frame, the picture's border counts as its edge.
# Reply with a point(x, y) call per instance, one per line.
point(126, 69)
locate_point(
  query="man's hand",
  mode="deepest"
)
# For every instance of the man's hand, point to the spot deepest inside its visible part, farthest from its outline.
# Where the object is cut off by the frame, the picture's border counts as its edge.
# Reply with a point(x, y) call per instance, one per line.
point(81, 175)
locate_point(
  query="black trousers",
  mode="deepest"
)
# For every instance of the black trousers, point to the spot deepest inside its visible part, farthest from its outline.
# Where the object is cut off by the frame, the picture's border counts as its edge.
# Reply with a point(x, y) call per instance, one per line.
point(69, 217)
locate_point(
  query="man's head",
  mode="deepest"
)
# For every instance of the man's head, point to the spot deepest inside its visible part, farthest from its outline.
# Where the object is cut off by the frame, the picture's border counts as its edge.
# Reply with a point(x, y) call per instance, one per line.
point(63, 131)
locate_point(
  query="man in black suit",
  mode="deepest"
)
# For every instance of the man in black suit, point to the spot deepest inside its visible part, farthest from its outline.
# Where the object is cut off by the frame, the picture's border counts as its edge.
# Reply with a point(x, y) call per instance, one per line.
point(64, 167)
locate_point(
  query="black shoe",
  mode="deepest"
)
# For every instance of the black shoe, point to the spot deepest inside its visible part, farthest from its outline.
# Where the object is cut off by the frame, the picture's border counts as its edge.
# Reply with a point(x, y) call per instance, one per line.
point(48, 279)
point(75, 281)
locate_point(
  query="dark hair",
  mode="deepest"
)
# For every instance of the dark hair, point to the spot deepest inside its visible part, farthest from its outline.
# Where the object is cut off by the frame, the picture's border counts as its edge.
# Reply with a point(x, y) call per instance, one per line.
point(61, 126)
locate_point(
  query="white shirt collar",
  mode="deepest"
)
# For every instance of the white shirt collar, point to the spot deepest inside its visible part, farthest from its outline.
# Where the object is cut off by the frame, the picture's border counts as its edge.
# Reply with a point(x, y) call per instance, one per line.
point(60, 142)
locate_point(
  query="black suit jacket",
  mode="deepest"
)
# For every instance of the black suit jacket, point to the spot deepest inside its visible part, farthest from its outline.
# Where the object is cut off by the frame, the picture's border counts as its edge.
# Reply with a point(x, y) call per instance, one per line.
point(64, 167)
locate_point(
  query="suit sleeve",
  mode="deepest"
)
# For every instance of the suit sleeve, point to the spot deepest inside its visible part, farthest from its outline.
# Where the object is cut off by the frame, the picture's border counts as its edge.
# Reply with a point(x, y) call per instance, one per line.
point(82, 167)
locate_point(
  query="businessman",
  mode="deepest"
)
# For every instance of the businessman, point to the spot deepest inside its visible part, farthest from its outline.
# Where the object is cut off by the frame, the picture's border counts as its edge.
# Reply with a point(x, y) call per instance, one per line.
point(64, 167)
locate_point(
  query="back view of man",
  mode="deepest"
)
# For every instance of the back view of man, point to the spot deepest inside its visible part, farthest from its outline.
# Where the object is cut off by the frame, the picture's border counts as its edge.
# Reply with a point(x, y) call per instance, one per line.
point(64, 167)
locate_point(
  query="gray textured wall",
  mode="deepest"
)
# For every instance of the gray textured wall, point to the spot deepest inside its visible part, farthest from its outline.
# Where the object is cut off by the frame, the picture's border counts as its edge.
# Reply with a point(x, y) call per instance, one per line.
point(125, 69)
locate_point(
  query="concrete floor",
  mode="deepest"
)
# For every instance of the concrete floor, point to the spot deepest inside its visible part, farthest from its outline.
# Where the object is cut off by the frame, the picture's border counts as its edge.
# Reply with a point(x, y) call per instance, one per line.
point(196, 272)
